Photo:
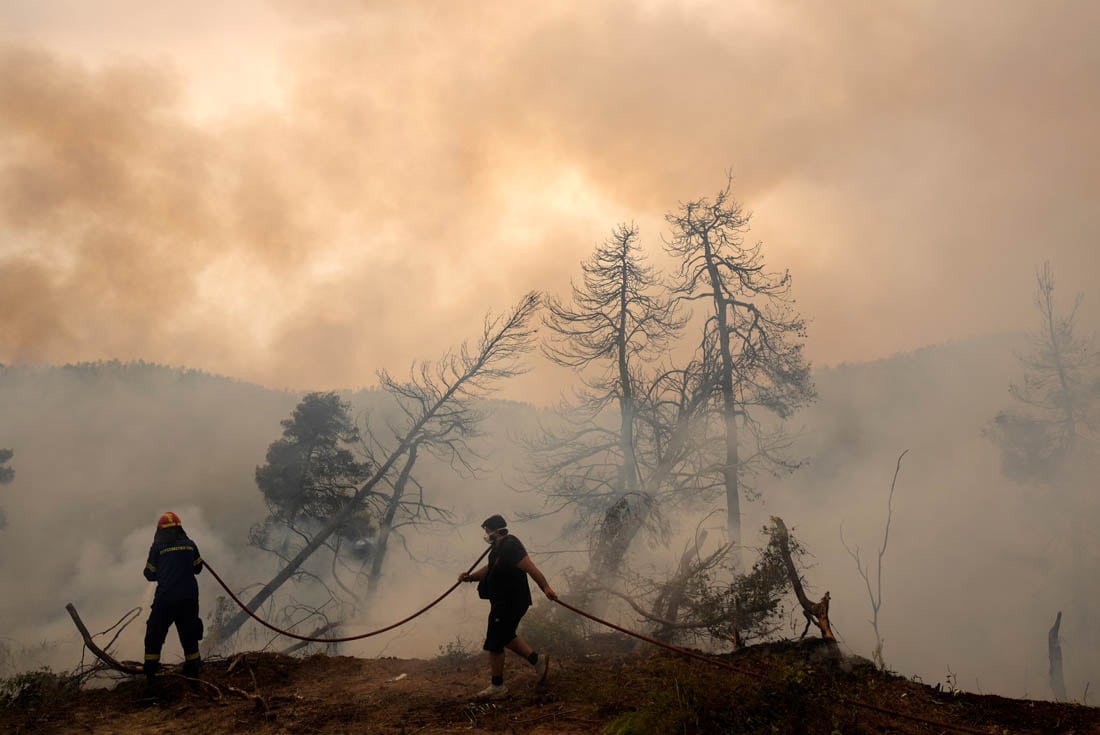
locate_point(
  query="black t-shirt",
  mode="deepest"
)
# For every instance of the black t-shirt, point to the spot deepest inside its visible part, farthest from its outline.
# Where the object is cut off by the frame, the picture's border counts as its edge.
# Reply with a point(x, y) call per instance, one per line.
point(505, 582)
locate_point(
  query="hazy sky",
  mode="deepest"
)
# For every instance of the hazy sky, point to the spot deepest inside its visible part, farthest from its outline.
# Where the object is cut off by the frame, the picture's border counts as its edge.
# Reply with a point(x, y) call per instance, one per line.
point(298, 194)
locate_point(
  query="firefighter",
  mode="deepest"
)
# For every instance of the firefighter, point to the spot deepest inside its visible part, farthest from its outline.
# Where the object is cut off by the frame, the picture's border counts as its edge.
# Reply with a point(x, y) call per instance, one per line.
point(174, 561)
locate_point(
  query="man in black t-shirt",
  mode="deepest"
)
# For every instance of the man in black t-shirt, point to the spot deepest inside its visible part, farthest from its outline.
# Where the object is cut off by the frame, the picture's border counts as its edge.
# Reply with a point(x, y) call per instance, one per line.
point(503, 581)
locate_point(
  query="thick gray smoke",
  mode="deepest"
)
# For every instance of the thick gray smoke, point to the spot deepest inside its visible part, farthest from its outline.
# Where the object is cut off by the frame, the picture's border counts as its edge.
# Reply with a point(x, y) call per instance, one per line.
point(395, 168)
point(910, 164)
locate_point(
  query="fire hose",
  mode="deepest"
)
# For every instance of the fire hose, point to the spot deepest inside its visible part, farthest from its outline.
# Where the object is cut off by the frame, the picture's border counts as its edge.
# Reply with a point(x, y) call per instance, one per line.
point(669, 646)
point(436, 601)
point(343, 639)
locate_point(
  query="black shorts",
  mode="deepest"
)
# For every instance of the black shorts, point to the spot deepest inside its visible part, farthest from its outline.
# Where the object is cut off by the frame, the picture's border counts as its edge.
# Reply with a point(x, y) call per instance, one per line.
point(503, 621)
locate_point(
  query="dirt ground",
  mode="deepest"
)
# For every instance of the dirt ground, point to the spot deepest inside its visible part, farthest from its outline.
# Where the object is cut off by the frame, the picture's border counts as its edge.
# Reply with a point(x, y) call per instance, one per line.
point(777, 688)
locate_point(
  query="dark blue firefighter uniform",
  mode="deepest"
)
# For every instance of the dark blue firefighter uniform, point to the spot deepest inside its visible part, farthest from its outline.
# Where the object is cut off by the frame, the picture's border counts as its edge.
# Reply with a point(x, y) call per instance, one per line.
point(174, 561)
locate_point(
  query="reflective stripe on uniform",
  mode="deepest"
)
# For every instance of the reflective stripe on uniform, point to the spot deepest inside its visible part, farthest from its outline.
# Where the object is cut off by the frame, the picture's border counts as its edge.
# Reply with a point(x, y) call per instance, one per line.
point(150, 567)
point(197, 562)
point(177, 548)
point(192, 656)
point(152, 657)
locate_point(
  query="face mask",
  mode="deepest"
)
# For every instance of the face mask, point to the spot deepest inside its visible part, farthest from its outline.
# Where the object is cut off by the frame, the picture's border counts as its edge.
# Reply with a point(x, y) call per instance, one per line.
point(488, 538)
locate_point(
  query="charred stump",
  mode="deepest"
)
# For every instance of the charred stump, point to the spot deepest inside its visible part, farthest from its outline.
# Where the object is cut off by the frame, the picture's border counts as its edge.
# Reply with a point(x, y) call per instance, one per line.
point(817, 613)
point(1054, 651)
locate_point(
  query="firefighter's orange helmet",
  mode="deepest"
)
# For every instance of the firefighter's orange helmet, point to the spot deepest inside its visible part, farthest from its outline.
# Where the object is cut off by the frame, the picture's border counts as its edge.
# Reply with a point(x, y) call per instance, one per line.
point(168, 520)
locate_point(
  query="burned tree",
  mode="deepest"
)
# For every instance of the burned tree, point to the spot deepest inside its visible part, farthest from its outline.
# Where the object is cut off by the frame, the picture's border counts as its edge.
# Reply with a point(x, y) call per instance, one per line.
point(453, 424)
point(1048, 441)
point(673, 452)
point(620, 320)
point(754, 334)
point(1059, 395)
point(438, 395)
point(816, 613)
point(875, 595)
point(7, 474)
point(1054, 654)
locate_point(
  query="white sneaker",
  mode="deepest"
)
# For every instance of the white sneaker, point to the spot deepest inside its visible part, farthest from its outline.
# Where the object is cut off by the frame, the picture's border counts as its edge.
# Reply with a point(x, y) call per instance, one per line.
point(493, 691)
point(542, 668)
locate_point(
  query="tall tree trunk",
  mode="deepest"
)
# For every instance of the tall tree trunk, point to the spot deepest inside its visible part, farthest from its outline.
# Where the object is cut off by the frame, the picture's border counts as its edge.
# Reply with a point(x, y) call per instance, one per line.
point(626, 389)
point(730, 473)
point(1066, 398)
point(629, 480)
point(385, 526)
point(731, 468)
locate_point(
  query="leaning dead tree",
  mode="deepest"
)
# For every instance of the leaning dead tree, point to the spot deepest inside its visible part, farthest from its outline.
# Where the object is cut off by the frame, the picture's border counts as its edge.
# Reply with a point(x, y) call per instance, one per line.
point(439, 398)
point(817, 613)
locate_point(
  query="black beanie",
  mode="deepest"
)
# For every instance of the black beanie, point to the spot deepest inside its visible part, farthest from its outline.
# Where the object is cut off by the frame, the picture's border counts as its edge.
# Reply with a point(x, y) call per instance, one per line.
point(494, 523)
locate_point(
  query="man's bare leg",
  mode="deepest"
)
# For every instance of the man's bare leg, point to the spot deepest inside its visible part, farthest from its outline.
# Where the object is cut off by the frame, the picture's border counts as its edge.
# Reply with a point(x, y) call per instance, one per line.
point(519, 647)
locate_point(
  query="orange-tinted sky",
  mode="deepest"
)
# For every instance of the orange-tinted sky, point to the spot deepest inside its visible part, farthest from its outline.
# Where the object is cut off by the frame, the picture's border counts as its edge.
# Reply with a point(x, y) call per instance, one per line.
point(298, 193)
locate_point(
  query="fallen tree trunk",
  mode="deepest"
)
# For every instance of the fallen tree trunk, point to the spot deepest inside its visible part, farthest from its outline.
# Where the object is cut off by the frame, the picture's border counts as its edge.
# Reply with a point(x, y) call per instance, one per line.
point(112, 663)
point(816, 613)
point(319, 631)
point(98, 652)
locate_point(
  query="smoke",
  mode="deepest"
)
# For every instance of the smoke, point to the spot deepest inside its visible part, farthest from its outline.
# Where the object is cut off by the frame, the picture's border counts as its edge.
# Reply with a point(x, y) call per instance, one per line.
point(975, 569)
point(416, 165)
point(299, 196)
point(101, 451)
point(976, 566)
